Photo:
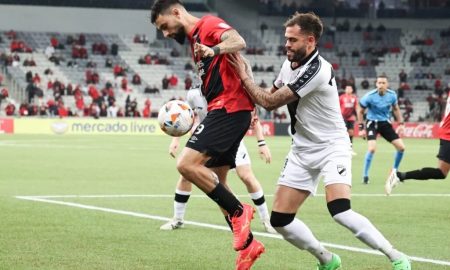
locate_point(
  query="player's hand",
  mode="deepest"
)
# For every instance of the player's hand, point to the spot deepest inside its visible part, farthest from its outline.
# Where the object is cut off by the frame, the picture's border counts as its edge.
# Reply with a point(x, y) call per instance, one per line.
point(254, 120)
point(238, 63)
point(264, 153)
point(362, 134)
point(173, 147)
point(203, 50)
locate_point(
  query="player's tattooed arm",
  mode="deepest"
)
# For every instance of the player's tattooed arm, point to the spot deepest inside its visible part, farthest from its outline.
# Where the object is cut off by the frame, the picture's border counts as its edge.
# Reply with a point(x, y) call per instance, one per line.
point(259, 95)
point(231, 42)
point(267, 100)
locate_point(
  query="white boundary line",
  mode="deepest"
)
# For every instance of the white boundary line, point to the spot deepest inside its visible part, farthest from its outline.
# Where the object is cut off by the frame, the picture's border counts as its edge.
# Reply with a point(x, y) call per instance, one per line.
point(205, 225)
point(204, 196)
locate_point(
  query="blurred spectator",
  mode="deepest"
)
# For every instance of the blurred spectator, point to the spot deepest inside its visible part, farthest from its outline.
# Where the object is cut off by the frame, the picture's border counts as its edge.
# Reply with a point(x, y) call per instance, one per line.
point(165, 83)
point(263, 27)
point(147, 112)
point(402, 76)
point(381, 28)
point(108, 63)
point(279, 117)
point(188, 66)
point(355, 52)
point(174, 53)
point(173, 81)
point(10, 109)
point(358, 27)
point(49, 51)
point(263, 84)
point(112, 110)
point(136, 79)
point(187, 82)
point(151, 90)
point(114, 49)
point(4, 94)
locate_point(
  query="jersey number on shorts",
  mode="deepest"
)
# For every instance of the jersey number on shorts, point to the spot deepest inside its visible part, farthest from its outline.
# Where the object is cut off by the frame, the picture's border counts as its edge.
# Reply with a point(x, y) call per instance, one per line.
point(199, 129)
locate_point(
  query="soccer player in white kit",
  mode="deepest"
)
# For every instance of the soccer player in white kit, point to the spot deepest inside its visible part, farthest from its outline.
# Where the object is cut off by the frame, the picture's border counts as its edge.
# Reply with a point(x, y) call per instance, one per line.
point(320, 148)
point(243, 169)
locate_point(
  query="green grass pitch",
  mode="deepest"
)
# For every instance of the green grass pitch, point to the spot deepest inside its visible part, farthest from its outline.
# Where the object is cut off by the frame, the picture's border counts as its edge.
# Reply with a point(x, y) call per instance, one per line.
point(42, 235)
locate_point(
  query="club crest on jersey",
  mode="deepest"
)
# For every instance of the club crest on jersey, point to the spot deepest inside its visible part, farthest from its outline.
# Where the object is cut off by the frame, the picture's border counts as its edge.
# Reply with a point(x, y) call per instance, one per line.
point(341, 169)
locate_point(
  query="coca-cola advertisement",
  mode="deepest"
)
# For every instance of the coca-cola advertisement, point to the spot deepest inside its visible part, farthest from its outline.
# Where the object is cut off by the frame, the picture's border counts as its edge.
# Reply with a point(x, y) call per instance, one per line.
point(416, 130)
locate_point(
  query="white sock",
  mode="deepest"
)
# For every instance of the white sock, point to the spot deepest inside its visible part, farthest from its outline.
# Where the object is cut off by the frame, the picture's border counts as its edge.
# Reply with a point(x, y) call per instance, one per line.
point(298, 234)
point(365, 231)
point(263, 211)
point(179, 209)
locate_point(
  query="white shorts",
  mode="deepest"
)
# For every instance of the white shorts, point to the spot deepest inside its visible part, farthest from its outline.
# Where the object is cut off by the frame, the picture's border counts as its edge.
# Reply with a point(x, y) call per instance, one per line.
point(242, 156)
point(304, 170)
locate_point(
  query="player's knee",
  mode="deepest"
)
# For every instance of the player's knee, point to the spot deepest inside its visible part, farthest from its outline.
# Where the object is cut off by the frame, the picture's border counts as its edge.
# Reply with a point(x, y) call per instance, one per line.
point(338, 206)
point(183, 166)
point(278, 220)
point(246, 178)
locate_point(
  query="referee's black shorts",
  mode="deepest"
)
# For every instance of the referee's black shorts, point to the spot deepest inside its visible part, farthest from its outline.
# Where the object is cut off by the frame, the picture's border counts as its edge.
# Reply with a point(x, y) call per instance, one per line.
point(384, 128)
point(219, 136)
point(444, 151)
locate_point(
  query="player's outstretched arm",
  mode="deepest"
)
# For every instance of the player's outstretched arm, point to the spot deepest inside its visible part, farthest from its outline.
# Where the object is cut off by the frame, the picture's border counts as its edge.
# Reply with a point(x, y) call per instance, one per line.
point(263, 149)
point(266, 99)
point(231, 42)
point(173, 147)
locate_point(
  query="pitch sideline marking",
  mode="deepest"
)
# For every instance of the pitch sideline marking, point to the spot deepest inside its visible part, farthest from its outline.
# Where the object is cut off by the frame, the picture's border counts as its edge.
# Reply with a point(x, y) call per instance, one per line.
point(212, 226)
point(240, 196)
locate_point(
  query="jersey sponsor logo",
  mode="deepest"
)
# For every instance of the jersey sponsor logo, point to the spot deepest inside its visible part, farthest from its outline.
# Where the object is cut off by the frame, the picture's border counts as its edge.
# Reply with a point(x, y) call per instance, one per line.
point(341, 169)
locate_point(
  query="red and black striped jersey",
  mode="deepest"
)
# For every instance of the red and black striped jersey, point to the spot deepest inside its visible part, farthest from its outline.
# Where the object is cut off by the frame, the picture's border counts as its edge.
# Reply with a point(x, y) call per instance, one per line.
point(221, 86)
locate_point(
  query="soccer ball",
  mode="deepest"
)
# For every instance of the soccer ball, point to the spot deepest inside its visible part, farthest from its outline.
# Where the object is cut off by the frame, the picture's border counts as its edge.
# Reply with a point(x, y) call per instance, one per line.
point(176, 118)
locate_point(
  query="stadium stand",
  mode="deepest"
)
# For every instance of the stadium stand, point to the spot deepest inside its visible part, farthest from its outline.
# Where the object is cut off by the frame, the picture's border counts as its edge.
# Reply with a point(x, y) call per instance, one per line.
point(358, 49)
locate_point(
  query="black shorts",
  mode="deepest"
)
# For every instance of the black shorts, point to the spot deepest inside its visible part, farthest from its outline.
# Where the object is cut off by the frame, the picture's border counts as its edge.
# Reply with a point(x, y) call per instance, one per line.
point(383, 127)
point(350, 124)
point(444, 151)
point(219, 136)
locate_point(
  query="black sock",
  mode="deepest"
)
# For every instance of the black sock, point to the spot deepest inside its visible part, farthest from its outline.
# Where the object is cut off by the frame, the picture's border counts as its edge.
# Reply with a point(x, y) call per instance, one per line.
point(259, 201)
point(422, 174)
point(181, 198)
point(226, 200)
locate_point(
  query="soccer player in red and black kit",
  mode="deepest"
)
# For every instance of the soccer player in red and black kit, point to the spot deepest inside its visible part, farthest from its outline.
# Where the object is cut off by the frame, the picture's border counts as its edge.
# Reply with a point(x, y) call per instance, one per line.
point(211, 150)
point(349, 105)
point(443, 155)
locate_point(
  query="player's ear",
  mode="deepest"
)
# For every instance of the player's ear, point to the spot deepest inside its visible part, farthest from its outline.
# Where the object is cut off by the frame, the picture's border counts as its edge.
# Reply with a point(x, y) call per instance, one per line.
point(175, 12)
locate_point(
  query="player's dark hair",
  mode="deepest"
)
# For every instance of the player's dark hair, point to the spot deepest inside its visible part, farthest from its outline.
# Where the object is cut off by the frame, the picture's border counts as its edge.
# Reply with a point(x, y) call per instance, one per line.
point(308, 22)
point(161, 6)
point(382, 76)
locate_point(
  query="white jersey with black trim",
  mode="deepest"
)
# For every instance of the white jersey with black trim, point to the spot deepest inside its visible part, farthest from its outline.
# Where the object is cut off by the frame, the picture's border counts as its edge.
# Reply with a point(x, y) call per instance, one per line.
point(316, 119)
point(198, 103)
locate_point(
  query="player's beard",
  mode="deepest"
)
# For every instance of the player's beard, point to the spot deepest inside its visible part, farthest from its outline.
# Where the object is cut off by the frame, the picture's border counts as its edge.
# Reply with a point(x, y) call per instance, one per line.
point(297, 55)
point(180, 36)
